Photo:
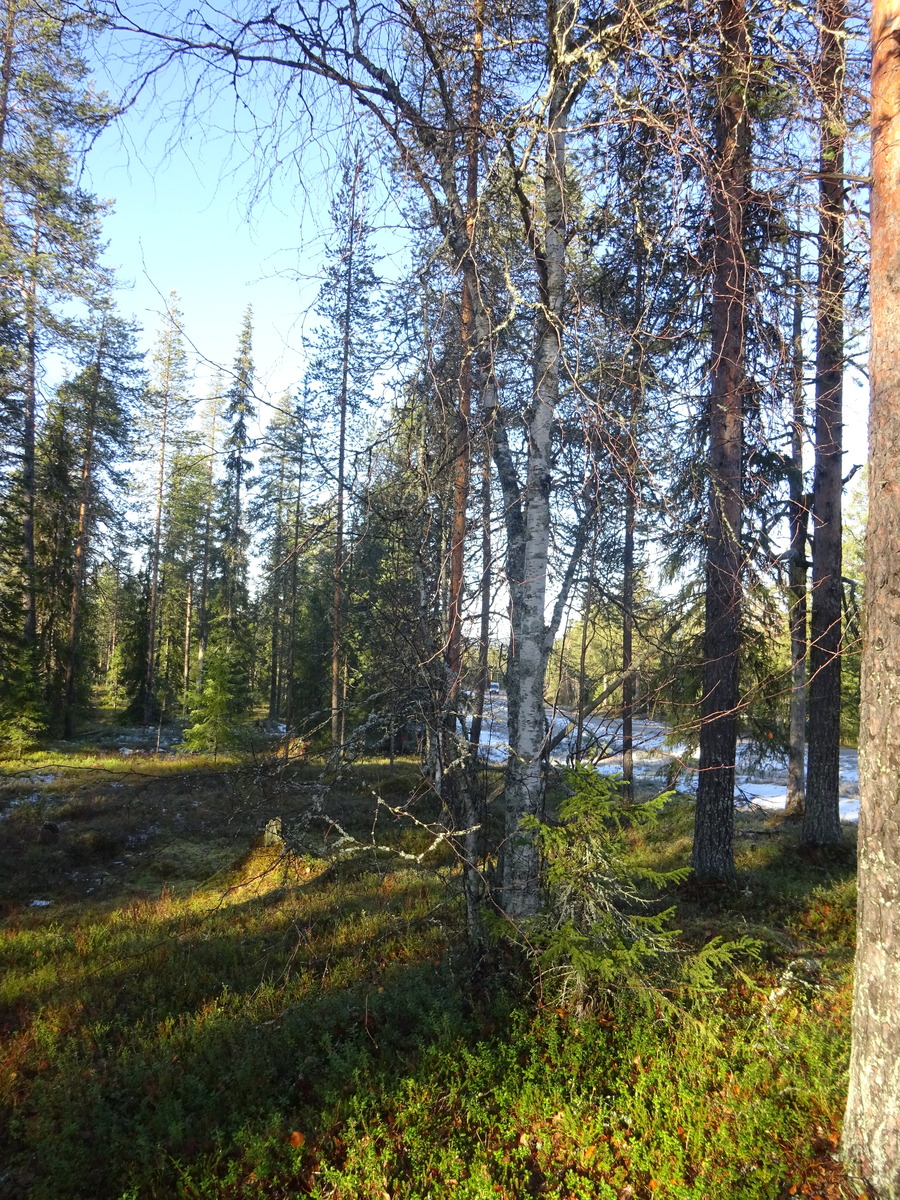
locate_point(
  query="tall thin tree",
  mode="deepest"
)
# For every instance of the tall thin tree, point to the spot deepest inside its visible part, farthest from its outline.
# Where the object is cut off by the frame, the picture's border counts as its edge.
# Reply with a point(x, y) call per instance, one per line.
point(713, 855)
point(821, 819)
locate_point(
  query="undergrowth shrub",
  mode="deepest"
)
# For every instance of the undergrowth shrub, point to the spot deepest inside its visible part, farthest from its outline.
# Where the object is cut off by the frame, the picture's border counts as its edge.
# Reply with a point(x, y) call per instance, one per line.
point(603, 926)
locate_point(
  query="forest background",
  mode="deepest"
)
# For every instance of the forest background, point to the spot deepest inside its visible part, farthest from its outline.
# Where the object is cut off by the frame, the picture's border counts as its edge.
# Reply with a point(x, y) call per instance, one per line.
point(566, 417)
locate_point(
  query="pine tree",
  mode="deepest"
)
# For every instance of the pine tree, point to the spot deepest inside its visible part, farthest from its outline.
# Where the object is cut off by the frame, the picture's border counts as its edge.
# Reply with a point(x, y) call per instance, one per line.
point(872, 1118)
point(821, 818)
point(49, 257)
point(712, 856)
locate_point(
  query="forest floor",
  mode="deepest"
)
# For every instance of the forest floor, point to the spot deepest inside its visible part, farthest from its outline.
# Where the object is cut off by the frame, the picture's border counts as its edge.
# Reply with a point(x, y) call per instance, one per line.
point(188, 1012)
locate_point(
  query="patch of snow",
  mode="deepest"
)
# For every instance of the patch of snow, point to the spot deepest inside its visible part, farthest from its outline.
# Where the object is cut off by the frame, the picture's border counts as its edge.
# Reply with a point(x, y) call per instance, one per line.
point(761, 781)
point(771, 796)
point(849, 808)
point(849, 766)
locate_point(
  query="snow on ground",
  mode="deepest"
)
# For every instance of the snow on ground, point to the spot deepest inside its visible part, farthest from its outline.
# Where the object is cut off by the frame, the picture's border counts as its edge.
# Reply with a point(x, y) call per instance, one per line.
point(657, 751)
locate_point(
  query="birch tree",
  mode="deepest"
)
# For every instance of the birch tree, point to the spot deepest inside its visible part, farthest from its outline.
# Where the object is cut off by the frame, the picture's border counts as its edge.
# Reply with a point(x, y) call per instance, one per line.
point(409, 71)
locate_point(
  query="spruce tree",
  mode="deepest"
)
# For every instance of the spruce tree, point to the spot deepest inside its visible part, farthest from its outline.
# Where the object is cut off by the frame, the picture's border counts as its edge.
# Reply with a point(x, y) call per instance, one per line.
point(342, 370)
point(166, 406)
point(235, 639)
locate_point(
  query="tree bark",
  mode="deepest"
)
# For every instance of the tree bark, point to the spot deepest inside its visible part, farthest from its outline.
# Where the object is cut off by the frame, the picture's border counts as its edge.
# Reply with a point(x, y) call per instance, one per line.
point(28, 450)
point(520, 866)
point(798, 520)
point(459, 784)
point(288, 670)
point(583, 649)
point(713, 854)
point(6, 67)
point(871, 1142)
point(628, 639)
point(275, 634)
point(821, 821)
point(188, 642)
point(485, 590)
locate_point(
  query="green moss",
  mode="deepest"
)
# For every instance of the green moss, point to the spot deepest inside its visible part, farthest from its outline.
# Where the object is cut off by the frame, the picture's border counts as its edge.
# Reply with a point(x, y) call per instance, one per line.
point(220, 1020)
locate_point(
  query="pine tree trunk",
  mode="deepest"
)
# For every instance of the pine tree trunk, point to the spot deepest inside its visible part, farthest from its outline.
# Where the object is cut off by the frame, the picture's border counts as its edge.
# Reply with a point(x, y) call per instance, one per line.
point(628, 641)
point(821, 820)
point(28, 455)
point(188, 639)
point(631, 459)
point(6, 67)
point(798, 518)
point(713, 856)
point(871, 1140)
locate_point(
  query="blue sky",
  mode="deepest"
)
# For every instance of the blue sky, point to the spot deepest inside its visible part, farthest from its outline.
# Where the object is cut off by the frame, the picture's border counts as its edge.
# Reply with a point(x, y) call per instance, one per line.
point(182, 220)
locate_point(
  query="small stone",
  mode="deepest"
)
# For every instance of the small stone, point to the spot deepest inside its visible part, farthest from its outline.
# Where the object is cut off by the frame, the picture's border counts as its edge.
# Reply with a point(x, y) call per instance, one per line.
point(272, 834)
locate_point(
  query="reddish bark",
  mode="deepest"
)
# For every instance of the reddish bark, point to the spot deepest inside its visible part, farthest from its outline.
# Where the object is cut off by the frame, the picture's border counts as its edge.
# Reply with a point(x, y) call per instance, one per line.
point(872, 1123)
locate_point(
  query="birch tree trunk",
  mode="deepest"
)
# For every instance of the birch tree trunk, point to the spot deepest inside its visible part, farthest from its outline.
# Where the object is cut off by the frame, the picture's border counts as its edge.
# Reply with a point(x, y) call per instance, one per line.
point(520, 868)
point(485, 622)
point(871, 1144)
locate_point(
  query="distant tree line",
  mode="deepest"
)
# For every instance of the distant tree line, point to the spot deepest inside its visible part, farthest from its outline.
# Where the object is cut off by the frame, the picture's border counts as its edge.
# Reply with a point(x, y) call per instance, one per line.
point(624, 311)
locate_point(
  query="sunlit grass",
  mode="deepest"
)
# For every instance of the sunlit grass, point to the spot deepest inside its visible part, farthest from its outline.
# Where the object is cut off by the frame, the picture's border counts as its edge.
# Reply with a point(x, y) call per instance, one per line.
point(216, 1018)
